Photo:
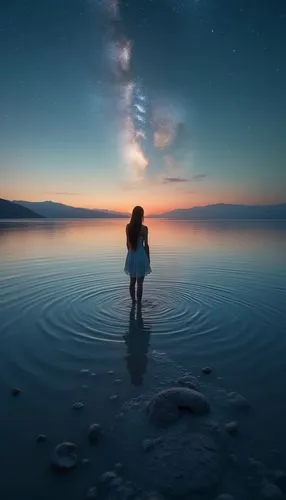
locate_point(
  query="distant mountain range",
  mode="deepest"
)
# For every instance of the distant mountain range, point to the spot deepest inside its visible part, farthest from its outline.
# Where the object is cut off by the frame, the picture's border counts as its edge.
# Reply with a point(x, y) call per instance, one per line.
point(53, 210)
point(228, 212)
point(10, 210)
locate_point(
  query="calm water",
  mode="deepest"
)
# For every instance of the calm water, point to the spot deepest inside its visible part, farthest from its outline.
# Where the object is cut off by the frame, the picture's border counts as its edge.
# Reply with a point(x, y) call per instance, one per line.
point(217, 296)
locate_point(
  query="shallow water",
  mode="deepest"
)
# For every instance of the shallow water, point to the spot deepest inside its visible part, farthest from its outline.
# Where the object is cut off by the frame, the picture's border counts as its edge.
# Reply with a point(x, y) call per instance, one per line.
point(217, 296)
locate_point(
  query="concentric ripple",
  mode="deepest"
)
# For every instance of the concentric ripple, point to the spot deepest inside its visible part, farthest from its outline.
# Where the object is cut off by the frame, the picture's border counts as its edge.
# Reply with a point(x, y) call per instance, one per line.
point(60, 307)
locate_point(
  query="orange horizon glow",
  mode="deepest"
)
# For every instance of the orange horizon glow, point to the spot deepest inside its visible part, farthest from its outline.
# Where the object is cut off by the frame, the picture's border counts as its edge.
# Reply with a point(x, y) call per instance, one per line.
point(154, 201)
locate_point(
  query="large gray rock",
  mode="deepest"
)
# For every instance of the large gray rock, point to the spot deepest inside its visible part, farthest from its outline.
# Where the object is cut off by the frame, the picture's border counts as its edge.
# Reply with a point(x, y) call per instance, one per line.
point(183, 463)
point(165, 406)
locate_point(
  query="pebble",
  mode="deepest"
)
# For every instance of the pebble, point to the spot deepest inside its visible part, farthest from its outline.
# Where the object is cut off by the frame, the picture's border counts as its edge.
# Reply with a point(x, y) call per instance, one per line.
point(85, 371)
point(85, 462)
point(93, 374)
point(231, 427)
point(114, 397)
point(238, 401)
point(64, 457)
point(16, 391)
point(92, 493)
point(207, 370)
point(41, 438)
point(110, 372)
point(78, 405)
point(149, 444)
point(107, 477)
point(119, 467)
point(94, 433)
point(118, 380)
point(257, 467)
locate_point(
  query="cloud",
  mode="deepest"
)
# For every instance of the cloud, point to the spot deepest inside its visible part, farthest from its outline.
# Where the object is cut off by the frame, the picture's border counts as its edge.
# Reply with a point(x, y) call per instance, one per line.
point(63, 193)
point(169, 180)
point(199, 177)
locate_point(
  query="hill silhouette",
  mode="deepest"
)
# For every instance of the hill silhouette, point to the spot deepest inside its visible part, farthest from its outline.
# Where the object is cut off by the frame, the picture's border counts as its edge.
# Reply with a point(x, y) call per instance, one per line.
point(228, 212)
point(10, 210)
point(53, 210)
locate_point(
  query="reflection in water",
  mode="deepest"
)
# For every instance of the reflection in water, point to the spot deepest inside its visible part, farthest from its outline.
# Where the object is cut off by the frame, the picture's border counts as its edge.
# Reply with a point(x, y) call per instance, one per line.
point(137, 342)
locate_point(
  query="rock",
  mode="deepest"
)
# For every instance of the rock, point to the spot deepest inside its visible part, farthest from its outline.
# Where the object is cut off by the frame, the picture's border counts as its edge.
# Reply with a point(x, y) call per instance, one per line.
point(64, 457)
point(149, 444)
point(207, 370)
point(118, 380)
point(107, 477)
point(238, 401)
point(231, 427)
point(119, 467)
point(78, 405)
point(165, 406)
point(92, 493)
point(85, 462)
point(185, 464)
point(85, 371)
point(94, 433)
point(279, 476)
point(190, 382)
point(126, 491)
point(116, 482)
point(16, 392)
point(41, 438)
point(93, 374)
point(225, 496)
point(114, 397)
point(257, 467)
point(270, 492)
point(110, 372)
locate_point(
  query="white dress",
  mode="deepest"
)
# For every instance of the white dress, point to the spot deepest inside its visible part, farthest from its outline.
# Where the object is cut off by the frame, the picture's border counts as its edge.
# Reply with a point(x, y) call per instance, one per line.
point(137, 263)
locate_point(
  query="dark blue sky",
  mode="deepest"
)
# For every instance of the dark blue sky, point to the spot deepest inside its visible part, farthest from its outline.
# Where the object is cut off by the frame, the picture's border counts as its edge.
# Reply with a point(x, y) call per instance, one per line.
point(217, 67)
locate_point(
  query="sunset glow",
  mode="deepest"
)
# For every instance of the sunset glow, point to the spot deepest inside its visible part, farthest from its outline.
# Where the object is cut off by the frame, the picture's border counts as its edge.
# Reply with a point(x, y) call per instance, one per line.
point(125, 113)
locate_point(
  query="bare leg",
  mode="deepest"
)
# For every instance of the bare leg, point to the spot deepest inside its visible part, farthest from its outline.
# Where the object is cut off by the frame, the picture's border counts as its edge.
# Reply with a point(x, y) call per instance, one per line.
point(140, 288)
point(132, 288)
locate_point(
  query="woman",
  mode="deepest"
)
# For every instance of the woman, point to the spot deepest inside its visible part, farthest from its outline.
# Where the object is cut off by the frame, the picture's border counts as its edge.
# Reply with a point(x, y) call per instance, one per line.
point(137, 263)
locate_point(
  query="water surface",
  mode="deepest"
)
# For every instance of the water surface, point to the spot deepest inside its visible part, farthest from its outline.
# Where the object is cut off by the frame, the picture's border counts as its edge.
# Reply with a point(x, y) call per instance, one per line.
point(216, 297)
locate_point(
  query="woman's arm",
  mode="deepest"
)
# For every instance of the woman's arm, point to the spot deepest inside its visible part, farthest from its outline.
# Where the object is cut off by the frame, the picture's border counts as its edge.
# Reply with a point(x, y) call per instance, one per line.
point(127, 238)
point(146, 244)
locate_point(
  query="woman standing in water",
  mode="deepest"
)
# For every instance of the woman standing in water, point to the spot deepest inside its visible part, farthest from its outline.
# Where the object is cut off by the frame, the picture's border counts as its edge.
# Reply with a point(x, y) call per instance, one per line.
point(137, 263)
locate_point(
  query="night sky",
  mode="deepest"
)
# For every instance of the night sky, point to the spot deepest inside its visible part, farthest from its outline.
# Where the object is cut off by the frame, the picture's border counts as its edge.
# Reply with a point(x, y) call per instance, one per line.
point(164, 103)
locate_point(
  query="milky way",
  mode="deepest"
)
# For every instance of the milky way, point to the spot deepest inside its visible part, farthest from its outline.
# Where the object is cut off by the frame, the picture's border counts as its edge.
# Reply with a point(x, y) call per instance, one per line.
point(145, 127)
point(132, 100)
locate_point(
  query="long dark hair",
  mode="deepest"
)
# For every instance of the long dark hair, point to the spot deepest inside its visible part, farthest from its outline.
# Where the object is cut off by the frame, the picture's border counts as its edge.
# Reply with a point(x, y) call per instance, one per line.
point(134, 226)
